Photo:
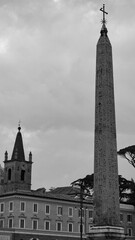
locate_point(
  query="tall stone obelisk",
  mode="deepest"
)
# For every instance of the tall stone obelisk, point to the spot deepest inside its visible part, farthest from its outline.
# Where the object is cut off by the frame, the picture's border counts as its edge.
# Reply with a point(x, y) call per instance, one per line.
point(106, 185)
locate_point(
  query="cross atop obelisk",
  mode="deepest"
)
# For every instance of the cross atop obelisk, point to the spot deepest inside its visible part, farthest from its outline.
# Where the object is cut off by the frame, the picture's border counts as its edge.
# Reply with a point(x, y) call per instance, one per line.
point(104, 12)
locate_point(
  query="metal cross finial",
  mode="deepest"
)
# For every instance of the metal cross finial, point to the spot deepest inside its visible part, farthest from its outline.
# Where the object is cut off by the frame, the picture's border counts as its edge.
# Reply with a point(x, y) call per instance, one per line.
point(19, 125)
point(103, 10)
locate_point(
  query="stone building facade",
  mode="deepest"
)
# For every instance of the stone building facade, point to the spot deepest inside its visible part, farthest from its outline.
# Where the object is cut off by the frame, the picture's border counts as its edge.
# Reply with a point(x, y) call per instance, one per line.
point(46, 215)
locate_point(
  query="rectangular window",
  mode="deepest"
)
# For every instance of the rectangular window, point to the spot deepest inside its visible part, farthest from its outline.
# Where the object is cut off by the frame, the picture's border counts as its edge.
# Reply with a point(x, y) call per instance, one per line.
point(1, 207)
point(121, 217)
point(22, 223)
point(47, 225)
point(129, 232)
point(10, 222)
point(70, 212)
point(35, 208)
point(11, 206)
point(59, 211)
point(129, 218)
point(70, 227)
point(47, 209)
point(22, 206)
point(79, 213)
point(1, 223)
point(35, 224)
point(59, 226)
point(90, 213)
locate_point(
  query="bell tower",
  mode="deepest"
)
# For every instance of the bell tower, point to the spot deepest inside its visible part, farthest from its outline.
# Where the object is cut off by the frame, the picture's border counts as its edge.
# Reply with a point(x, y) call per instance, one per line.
point(17, 171)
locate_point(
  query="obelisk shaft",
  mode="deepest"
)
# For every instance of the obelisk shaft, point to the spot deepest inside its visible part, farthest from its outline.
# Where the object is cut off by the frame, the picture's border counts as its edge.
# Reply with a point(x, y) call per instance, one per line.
point(106, 186)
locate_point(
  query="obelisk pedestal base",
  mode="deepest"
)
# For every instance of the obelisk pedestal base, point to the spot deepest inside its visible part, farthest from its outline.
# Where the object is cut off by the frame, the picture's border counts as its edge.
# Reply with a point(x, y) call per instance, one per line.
point(106, 232)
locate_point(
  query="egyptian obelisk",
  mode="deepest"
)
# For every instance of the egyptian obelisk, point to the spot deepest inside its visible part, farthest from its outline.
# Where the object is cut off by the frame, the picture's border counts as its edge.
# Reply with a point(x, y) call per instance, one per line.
point(106, 185)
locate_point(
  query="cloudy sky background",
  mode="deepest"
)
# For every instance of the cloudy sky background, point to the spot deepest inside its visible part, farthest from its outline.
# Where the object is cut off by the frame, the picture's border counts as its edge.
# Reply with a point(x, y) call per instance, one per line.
point(47, 81)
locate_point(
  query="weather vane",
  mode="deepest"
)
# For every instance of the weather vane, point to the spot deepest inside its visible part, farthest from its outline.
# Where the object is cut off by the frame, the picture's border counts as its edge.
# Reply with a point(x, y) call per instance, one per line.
point(104, 12)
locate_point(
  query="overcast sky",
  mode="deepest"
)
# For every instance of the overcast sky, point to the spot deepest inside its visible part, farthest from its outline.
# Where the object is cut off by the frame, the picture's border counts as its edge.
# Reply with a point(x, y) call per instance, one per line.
point(47, 81)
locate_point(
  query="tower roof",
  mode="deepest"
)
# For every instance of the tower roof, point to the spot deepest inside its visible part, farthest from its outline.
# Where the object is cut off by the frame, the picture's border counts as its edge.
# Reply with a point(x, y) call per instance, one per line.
point(18, 150)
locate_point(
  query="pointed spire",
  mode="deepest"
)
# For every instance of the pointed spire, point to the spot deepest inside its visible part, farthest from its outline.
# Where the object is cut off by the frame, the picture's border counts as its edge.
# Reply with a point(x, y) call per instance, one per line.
point(18, 151)
point(103, 29)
